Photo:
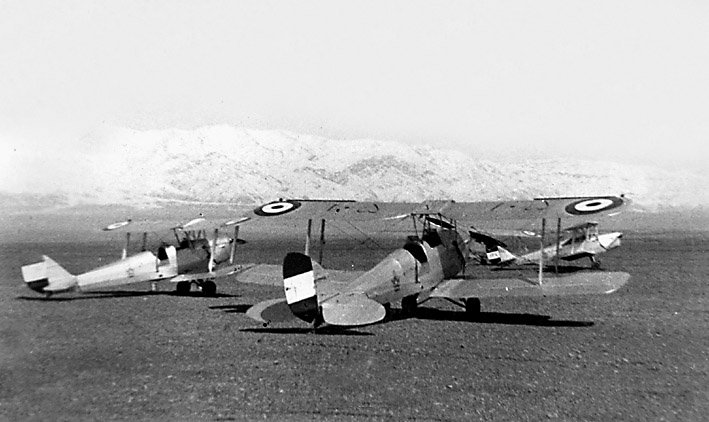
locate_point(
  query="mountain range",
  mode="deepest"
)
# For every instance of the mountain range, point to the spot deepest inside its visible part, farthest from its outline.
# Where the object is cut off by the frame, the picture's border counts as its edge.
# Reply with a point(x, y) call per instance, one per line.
point(226, 164)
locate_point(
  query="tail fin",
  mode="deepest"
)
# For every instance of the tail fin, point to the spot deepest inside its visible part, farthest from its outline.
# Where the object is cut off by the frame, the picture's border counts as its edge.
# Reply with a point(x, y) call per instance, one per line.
point(495, 252)
point(498, 255)
point(300, 275)
point(299, 285)
point(48, 276)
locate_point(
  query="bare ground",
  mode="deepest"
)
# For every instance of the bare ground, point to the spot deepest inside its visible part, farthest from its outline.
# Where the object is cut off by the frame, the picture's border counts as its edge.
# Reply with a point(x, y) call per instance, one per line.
point(639, 354)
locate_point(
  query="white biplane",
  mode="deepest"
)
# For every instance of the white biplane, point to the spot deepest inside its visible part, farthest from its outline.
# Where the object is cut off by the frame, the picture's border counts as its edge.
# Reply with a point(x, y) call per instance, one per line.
point(425, 268)
point(576, 242)
point(200, 256)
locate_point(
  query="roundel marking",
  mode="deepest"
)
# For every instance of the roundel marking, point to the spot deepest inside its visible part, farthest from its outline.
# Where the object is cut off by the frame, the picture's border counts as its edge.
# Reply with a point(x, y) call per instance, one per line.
point(118, 225)
point(593, 205)
point(276, 208)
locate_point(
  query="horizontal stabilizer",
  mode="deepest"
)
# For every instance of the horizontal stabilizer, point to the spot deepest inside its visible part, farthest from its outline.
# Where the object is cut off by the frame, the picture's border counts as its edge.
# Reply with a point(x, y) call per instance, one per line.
point(266, 274)
point(274, 310)
point(352, 310)
point(48, 276)
point(581, 283)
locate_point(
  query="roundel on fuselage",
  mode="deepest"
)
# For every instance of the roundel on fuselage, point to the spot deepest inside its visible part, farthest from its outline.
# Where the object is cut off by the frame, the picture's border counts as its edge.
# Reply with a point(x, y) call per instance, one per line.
point(593, 205)
point(275, 208)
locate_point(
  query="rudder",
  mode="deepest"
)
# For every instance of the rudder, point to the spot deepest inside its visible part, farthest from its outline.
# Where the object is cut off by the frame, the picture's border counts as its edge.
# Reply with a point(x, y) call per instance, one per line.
point(48, 276)
point(299, 286)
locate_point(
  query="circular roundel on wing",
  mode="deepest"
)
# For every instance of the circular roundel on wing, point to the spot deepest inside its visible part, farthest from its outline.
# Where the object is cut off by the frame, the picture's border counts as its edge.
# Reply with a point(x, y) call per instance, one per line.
point(277, 208)
point(118, 225)
point(593, 205)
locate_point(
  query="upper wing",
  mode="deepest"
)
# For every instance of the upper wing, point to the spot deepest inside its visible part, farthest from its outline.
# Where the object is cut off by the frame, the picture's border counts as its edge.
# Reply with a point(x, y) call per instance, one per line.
point(580, 283)
point(476, 212)
point(195, 224)
point(467, 212)
point(582, 226)
point(335, 209)
point(472, 212)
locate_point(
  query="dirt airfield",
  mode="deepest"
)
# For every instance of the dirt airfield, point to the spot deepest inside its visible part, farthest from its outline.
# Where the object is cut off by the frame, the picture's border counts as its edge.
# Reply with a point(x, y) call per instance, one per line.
point(641, 354)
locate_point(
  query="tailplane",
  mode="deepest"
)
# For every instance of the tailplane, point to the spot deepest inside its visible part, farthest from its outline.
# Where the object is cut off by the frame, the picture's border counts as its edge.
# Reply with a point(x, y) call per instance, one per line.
point(348, 309)
point(48, 277)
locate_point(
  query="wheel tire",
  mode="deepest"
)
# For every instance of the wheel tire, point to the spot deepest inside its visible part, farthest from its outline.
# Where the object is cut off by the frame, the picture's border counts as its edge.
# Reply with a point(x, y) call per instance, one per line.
point(209, 288)
point(472, 307)
point(183, 288)
point(409, 304)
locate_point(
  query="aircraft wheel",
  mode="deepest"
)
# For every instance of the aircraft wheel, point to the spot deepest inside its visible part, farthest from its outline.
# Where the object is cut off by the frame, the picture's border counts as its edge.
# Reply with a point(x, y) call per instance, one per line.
point(209, 288)
point(596, 265)
point(409, 304)
point(183, 287)
point(472, 307)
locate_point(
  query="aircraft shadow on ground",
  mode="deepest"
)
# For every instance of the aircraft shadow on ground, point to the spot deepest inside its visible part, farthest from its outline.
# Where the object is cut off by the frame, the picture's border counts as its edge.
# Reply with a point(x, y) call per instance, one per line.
point(233, 309)
point(118, 294)
point(491, 318)
point(331, 331)
point(242, 308)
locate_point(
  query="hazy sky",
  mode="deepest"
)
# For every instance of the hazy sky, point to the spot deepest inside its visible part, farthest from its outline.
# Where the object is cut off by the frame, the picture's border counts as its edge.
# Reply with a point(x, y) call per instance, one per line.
point(615, 79)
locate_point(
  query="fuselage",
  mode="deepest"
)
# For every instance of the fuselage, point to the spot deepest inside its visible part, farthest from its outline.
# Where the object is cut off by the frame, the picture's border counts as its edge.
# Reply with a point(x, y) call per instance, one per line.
point(418, 267)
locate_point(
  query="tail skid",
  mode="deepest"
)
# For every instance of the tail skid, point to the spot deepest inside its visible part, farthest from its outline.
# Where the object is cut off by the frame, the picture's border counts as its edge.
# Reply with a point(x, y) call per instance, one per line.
point(48, 277)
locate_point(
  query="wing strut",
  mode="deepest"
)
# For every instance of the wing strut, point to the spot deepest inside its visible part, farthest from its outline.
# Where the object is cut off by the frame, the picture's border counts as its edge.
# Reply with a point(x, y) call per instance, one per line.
point(558, 240)
point(232, 255)
point(125, 247)
point(212, 249)
point(322, 240)
point(143, 248)
point(541, 250)
point(307, 237)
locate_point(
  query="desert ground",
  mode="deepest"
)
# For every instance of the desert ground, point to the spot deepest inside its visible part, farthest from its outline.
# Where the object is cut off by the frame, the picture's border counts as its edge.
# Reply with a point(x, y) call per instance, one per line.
point(640, 354)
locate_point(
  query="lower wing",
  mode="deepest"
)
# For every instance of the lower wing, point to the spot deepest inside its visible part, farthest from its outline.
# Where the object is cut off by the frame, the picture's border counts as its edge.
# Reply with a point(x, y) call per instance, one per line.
point(580, 283)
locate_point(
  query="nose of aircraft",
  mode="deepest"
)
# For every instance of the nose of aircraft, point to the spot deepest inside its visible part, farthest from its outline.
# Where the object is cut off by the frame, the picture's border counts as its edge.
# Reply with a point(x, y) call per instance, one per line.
point(610, 240)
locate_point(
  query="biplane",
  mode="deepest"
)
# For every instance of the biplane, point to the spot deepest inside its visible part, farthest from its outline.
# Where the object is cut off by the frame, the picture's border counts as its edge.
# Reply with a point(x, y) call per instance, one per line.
point(199, 256)
point(576, 242)
point(426, 267)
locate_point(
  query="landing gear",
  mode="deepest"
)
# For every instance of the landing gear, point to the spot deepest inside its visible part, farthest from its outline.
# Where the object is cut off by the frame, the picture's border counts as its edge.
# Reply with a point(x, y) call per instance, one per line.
point(209, 288)
point(595, 263)
point(183, 288)
point(472, 307)
point(409, 304)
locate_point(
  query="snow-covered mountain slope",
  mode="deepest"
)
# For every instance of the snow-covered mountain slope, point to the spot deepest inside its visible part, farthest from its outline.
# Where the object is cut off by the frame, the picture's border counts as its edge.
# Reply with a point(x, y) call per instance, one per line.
point(238, 165)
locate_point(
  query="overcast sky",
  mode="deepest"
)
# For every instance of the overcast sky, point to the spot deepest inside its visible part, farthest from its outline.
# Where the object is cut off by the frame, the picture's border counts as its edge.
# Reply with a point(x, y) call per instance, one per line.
point(624, 80)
